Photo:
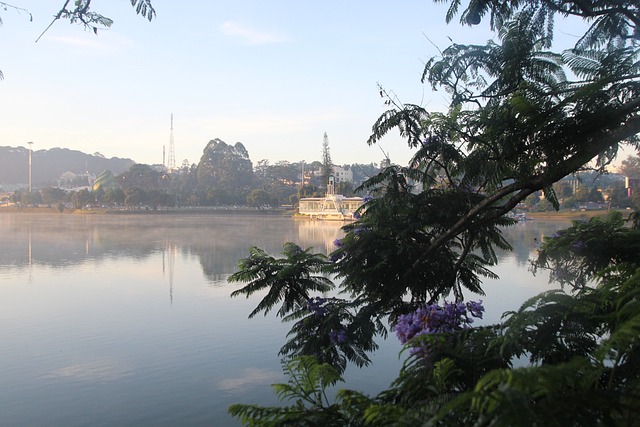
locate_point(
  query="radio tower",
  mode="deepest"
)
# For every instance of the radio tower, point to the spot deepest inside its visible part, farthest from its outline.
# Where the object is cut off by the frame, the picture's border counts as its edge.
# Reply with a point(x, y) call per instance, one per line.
point(171, 162)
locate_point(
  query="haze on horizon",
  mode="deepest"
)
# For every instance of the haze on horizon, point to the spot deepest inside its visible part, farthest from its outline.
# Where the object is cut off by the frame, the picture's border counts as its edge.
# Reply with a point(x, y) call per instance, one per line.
point(274, 76)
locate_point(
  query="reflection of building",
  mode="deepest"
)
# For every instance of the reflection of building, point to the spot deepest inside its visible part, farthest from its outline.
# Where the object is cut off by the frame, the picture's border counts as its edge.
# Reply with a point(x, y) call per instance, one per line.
point(310, 233)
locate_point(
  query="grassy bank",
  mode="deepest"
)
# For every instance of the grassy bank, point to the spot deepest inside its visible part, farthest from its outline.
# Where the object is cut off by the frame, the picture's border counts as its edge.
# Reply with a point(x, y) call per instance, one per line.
point(572, 215)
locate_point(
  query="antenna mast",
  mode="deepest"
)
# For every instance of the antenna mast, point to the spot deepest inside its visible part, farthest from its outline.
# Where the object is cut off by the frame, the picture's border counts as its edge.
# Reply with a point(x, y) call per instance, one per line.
point(171, 162)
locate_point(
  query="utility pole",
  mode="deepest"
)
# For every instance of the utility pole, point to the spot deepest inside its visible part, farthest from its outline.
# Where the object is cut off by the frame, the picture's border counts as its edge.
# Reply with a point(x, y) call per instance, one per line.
point(30, 143)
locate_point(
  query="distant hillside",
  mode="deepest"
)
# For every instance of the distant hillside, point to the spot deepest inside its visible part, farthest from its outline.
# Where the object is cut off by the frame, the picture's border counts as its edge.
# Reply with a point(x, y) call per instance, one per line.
point(48, 165)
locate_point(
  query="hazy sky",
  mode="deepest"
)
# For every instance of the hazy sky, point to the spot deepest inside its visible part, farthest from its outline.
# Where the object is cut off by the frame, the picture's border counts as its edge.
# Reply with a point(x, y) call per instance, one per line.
point(274, 75)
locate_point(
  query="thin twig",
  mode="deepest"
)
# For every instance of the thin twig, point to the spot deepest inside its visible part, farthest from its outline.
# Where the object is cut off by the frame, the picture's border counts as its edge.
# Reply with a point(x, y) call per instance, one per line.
point(55, 18)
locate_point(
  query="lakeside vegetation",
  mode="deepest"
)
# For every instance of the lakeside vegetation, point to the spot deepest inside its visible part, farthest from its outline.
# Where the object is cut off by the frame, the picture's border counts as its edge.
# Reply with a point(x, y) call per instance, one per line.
point(521, 119)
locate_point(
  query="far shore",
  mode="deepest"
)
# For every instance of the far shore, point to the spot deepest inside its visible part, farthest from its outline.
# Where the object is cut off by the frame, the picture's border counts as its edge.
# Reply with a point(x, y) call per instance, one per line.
point(162, 211)
point(564, 214)
point(574, 215)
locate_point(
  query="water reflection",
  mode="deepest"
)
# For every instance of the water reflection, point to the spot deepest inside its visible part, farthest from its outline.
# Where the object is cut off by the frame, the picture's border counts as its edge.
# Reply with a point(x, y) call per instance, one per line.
point(216, 241)
point(134, 312)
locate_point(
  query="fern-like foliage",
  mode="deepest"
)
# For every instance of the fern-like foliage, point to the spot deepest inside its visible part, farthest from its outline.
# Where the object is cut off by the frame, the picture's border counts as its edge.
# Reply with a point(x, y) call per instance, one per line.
point(307, 386)
point(144, 8)
point(289, 280)
point(81, 13)
point(574, 255)
point(521, 117)
point(334, 331)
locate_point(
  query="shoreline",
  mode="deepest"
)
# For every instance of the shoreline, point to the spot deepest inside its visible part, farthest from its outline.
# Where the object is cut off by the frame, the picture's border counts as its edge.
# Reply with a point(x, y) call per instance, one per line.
point(577, 215)
point(564, 215)
point(173, 211)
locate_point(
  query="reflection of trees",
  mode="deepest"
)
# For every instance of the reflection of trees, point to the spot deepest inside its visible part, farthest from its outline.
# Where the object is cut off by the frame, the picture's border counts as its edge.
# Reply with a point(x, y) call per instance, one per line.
point(222, 247)
point(526, 237)
point(63, 240)
point(218, 241)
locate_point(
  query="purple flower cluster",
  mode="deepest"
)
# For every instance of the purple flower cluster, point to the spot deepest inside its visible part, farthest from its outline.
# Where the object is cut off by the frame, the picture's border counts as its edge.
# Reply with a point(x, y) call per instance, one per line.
point(366, 199)
point(436, 319)
point(336, 256)
point(320, 307)
point(429, 139)
point(338, 337)
point(317, 305)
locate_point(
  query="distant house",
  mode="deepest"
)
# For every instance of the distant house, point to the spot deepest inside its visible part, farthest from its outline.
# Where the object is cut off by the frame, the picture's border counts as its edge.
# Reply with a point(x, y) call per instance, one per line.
point(74, 181)
point(340, 174)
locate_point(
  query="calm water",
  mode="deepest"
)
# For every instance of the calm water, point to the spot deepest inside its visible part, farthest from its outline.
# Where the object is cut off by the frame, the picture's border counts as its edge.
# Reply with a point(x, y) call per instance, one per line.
point(127, 320)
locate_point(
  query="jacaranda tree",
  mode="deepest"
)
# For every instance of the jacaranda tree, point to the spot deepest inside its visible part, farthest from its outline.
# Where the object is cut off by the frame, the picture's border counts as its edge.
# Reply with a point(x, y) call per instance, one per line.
point(521, 117)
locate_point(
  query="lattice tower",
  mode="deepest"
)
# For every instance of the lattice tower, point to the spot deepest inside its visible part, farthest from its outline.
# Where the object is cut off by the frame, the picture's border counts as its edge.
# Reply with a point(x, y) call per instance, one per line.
point(171, 162)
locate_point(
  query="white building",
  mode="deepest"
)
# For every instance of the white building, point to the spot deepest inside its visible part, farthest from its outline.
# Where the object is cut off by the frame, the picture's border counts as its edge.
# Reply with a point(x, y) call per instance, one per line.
point(340, 174)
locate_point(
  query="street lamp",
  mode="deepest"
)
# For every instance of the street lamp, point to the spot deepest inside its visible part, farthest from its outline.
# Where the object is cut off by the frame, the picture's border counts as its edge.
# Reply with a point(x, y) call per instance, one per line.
point(30, 143)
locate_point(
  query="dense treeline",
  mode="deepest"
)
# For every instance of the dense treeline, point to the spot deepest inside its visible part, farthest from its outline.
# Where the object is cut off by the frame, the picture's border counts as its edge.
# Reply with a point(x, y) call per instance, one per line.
point(224, 176)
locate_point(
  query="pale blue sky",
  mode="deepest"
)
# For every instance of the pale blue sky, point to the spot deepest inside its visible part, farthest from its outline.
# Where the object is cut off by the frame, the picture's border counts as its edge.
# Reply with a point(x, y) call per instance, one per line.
point(274, 75)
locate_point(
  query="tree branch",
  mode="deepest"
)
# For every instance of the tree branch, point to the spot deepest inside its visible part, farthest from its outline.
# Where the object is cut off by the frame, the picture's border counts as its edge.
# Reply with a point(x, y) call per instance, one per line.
point(594, 146)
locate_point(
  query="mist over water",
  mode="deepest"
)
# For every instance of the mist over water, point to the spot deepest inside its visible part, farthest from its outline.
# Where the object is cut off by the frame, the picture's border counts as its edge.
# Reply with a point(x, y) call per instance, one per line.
point(126, 319)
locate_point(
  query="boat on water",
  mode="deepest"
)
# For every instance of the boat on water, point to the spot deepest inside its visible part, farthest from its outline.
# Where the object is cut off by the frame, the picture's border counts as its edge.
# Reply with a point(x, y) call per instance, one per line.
point(520, 217)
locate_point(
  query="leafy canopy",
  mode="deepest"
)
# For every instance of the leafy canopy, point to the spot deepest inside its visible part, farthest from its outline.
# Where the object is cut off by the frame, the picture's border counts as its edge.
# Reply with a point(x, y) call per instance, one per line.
point(521, 117)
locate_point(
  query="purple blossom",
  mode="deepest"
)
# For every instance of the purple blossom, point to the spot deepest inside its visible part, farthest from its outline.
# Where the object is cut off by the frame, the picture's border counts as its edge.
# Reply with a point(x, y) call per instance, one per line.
point(475, 308)
point(337, 243)
point(317, 306)
point(436, 319)
point(336, 256)
point(338, 337)
point(366, 199)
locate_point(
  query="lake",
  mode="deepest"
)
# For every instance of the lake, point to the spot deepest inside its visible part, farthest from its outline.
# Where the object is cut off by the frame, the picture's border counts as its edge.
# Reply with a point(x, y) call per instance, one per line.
point(126, 319)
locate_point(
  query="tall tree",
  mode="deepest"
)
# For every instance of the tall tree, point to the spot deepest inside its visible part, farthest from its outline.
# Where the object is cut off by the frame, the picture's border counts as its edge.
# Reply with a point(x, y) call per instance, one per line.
point(225, 171)
point(521, 117)
point(327, 164)
point(631, 167)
